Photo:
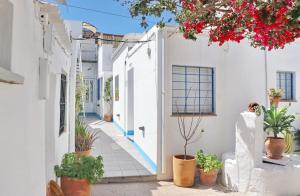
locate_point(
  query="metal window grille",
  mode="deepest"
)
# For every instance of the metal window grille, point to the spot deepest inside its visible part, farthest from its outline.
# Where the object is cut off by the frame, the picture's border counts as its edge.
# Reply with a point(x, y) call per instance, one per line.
point(286, 82)
point(63, 86)
point(193, 90)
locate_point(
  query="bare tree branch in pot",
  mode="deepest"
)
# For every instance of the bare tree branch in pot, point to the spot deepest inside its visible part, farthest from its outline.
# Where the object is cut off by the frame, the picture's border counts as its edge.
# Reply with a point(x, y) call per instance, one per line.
point(184, 165)
point(108, 99)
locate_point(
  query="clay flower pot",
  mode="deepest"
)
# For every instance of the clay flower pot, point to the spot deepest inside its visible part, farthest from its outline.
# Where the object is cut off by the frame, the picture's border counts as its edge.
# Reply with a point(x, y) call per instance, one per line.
point(274, 147)
point(108, 117)
point(184, 170)
point(75, 187)
point(208, 178)
point(83, 153)
point(275, 100)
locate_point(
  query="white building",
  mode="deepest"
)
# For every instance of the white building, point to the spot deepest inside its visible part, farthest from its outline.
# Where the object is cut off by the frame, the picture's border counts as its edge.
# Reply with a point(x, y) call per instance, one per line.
point(96, 59)
point(37, 87)
point(155, 74)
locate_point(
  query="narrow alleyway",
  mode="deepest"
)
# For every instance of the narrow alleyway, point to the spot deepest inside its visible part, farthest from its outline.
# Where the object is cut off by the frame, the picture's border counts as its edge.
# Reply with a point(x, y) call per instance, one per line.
point(120, 157)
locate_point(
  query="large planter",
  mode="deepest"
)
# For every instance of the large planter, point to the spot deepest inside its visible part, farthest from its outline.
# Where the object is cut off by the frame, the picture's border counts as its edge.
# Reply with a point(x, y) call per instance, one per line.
point(208, 178)
point(83, 153)
point(184, 170)
point(274, 147)
point(275, 100)
point(108, 117)
point(75, 187)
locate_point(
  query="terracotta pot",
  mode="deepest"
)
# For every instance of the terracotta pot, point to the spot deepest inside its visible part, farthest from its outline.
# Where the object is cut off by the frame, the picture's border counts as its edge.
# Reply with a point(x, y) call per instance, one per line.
point(275, 101)
point(75, 187)
point(274, 147)
point(208, 178)
point(184, 170)
point(108, 117)
point(251, 109)
point(83, 153)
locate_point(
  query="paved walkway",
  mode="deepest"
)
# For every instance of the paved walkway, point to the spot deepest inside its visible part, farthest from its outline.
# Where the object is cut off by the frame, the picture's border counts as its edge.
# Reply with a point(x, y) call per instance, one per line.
point(161, 188)
point(120, 157)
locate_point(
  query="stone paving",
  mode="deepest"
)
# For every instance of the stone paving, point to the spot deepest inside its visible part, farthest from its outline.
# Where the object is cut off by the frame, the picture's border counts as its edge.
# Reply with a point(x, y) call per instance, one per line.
point(161, 188)
point(120, 158)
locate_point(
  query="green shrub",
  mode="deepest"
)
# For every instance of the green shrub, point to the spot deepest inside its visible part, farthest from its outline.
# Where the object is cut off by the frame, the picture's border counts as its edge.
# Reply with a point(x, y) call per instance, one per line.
point(84, 167)
point(208, 162)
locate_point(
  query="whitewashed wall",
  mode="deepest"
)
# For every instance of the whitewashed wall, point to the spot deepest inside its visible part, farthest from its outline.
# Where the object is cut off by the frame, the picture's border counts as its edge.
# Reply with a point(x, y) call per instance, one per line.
point(287, 59)
point(119, 69)
point(145, 96)
point(27, 140)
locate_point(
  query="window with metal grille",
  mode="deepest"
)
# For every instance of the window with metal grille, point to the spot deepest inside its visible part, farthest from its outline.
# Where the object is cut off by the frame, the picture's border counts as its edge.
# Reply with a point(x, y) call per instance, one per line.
point(193, 90)
point(117, 88)
point(63, 86)
point(286, 82)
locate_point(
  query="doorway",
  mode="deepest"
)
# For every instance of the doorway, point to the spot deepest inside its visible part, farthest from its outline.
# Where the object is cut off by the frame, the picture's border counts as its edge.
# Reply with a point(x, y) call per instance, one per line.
point(90, 95)
point(130, 102)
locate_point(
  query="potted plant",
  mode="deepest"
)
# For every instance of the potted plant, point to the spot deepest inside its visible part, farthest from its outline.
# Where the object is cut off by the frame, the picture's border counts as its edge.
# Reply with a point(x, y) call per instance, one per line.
point(77, 173)
point(108, 99)
point(254, 107)
point(84, 139)
point(184, 165)
point(275, 96)
point(208, 167)
point(278, 123)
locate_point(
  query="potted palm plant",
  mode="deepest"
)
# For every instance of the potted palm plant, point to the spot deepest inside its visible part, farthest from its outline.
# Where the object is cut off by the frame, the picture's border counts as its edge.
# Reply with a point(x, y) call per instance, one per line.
point(208, 167)
point(77, 173)
point(184, 165)
point(108, 99)
point(84, 139)
point(275, 96)
point(277, 123)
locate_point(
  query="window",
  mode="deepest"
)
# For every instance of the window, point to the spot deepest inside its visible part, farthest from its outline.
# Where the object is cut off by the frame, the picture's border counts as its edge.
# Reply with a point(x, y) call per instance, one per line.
point(63, 91)
point(116, 88)
point(286, 82)
point(6, 15)
point(89, 93)
point(193, 90)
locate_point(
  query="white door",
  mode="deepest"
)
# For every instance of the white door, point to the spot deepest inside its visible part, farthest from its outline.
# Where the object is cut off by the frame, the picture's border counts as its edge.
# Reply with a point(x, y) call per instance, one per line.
point(90, 95)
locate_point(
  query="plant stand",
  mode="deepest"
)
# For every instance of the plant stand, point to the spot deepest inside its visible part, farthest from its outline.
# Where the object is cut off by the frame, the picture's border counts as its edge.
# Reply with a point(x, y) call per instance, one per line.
point(244, 170)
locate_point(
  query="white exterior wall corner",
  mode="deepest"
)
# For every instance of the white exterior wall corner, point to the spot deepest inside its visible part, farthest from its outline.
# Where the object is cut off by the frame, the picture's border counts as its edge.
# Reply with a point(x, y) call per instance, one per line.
point(145, 91)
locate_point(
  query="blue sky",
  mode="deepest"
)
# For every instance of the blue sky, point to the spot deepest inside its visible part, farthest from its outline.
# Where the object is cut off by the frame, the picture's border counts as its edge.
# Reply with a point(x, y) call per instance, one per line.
point(104, 23)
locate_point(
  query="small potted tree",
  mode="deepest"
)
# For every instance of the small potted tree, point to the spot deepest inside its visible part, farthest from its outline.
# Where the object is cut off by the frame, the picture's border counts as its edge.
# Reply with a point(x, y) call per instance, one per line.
point(277, 123)
point(208, 167)
point(84, 139)
point(275, 96)
point(184, 165)
point(77, 173)
point(108, 99)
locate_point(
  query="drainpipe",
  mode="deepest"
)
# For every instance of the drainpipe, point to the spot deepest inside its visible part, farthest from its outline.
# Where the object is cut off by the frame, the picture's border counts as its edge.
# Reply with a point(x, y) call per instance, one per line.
point(160, 101)
point(266, 77)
